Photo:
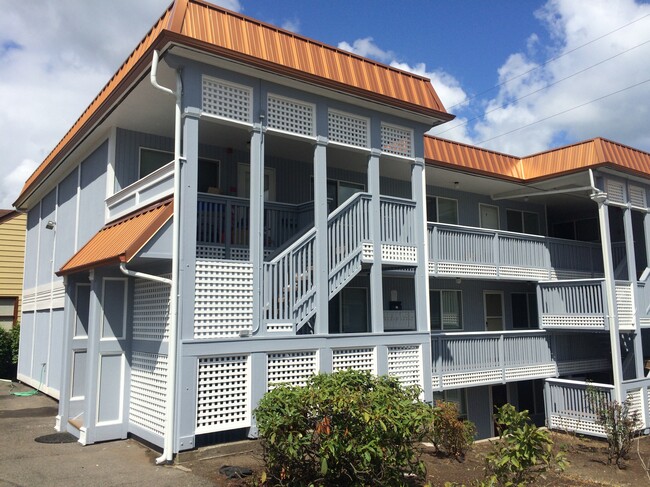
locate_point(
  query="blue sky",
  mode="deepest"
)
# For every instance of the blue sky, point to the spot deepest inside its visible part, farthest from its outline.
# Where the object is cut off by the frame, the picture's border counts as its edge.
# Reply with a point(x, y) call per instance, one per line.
point(56, 56)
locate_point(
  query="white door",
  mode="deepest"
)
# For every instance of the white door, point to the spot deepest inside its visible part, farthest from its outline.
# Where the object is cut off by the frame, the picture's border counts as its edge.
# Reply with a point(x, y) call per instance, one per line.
point(489, 216)
point(493, 306)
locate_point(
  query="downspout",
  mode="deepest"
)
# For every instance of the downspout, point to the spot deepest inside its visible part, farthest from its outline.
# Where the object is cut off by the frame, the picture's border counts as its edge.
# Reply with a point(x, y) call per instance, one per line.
point(170, 409)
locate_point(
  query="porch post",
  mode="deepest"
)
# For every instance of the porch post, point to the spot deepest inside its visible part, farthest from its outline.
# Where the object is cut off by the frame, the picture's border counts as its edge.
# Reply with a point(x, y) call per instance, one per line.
point(418, 192)
point(376, 284)
point(66, 365)
point(614, 338)
point(631, 273)
point(87, 431)
point(256, 242)
point(321, 267)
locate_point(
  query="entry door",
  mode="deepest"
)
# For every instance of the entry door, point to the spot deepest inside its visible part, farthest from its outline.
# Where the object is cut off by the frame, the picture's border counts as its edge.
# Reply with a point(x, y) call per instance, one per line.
point(489, 216)
point(493, 306)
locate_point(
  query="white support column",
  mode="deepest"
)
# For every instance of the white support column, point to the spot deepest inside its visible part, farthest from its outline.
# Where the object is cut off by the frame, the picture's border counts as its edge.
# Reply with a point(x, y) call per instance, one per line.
point(65, 389)
point(418, 191)
point(321, 266)
point(256, 243)
point(631, 271)
point(95, 314)
point(610, 298)
point(376, 284)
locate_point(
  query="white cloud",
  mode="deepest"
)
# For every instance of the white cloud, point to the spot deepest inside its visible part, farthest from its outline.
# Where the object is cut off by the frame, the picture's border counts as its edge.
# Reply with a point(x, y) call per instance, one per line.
point(292, 25)
point(570, 24)
point(366, 47)
point(54, 59)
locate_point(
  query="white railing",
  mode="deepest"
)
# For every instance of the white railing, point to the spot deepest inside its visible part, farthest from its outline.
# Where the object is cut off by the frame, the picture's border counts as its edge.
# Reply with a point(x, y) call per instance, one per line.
point(625, 306)
point(575, 304)
point(150, 188)
point(461, 250)
point(289, 290)
point(397, 221)
point(223, 222)
point(643, 303)
point(463, 359)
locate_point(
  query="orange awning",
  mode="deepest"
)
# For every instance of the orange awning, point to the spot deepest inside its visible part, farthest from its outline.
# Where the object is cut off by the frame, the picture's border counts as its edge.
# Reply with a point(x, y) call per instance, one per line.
point(120, 241)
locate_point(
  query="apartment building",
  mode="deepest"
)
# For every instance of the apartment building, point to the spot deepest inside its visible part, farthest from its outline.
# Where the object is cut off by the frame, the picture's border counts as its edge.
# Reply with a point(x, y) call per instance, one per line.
point(241, 207)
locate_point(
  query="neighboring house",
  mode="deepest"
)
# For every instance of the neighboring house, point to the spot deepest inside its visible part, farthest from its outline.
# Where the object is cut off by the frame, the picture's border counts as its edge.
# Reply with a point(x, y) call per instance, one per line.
point(12, 262)
point(297, 242)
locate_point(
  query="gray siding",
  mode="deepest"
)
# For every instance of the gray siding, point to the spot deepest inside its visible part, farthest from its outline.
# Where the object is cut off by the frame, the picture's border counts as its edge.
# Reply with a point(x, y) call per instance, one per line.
point(31, 246)
point(92, 195)
point(46, 246)
point(66, 217)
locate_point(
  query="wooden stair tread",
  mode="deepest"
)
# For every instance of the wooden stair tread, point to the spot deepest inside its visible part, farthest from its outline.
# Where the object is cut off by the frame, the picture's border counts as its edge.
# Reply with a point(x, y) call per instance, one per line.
point(76, 422)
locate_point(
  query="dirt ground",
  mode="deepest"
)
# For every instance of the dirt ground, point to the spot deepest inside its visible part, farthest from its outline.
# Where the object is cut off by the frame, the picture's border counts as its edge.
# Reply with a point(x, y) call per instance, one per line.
point(587, 457)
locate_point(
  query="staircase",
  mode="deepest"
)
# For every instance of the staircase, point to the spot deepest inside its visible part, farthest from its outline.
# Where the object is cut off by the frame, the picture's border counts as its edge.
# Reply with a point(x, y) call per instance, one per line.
point(289, 288)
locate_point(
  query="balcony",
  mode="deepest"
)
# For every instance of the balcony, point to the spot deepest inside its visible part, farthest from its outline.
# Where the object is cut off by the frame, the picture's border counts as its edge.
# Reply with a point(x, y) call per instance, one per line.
point(581, 304)
point(456, 250)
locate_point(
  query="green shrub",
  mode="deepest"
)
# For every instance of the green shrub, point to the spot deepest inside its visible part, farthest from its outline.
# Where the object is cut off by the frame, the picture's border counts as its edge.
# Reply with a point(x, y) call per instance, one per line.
point(348, 428)
point(449, 434)
point(522, 453)
point(9, 352)
point(619, 422)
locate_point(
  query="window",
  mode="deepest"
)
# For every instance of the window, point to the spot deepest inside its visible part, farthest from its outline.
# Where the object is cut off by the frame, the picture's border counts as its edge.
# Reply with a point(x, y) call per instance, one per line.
point(457, 396)
point(524, 310)
point(522, 222)
point(82, 308)
point(442, 210)
point(446, 310)
point(338, 191)
point(8, 312)
point(244, 182)
point(348, 311)
point(208, 179)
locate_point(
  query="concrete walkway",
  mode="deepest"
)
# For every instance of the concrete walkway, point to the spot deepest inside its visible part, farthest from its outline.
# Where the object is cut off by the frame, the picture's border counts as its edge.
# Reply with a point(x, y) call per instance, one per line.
point(24, 462)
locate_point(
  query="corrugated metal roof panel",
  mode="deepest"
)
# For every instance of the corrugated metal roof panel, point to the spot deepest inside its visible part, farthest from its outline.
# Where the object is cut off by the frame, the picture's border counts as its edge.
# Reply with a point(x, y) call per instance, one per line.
point(120, 241)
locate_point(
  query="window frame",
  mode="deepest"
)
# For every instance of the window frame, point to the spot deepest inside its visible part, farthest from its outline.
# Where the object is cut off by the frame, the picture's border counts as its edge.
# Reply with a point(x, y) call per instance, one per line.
point(442, 328)
point(522, 213)
point(437, 216)
point(14, 315)
point(461, 403)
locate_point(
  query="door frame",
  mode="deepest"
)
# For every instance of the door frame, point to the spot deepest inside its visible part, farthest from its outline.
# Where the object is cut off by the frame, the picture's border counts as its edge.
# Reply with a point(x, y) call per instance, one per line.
point(480, 216)
point(503, 309)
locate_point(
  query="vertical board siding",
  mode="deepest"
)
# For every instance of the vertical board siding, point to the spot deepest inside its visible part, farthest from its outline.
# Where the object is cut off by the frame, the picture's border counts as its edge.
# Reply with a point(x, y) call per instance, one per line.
point(12, 255)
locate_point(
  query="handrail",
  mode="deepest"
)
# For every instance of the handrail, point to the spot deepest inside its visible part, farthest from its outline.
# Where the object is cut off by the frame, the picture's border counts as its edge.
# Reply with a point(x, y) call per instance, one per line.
point(580, 383)
point(461, 334)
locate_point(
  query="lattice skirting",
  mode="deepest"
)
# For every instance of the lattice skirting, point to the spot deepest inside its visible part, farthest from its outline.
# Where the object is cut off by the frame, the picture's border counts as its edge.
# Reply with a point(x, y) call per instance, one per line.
point(367, 252)
point(405, 363)
point(277, 327)
point(573, 321)
point(148, 391)
point(531, 372)
point(565, 423)
point(292, 368)
point(523, 272)
point(364, 359)
point(454, 269)
point(399, 253)
point(464, 379)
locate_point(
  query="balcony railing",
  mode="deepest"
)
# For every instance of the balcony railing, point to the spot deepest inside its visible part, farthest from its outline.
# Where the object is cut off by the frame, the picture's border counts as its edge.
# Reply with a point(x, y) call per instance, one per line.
point(459, 250)
point(581, 304)
point(467, 359)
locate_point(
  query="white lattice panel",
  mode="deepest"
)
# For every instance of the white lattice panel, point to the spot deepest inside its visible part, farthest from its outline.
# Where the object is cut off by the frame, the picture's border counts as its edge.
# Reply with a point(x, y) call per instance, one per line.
point(291, 116)
point(223, 393)
point(223, 301)
point(405, 363)
point(637, 196)
point(454, 269)
point(150, 309)
point(348, 129)
point(435, 382)
point(524, 272)
point(531, 372)
point(625, 305)
point(204, 252)
point(615, 191)
point(396, 140)
point(276, 327)
point(148, 391)
point(572, 321)
point(561, 275)
point(293, 368)
point(472, 378)
point(239, 253)
point(432, 267)
point(635, 399)
point(399, 253)
point(355, 359)
point(556, 421)
point(367, 252)
point(227, 100)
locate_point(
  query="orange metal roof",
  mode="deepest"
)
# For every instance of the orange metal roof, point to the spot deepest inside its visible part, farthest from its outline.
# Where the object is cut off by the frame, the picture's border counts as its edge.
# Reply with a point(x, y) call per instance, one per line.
point(213, 29)
point(120, 241)
point(571, 158)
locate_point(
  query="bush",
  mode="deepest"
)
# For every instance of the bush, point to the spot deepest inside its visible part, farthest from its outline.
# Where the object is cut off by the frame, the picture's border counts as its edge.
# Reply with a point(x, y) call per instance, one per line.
point(523, 451)
point(620, 425)
point(9, 352)
point(347, 428)
point(449, 434)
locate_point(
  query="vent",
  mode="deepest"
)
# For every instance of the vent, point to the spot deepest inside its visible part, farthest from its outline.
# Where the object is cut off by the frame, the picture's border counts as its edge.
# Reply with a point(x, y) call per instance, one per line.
point(348, 129)
point(293, 368)
point(223, 393)
point(227, 100)
point(148, 391)
point(396, 140)
point(151, 310)
point(615, 191)
point(637, 196)
point(291, 116)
